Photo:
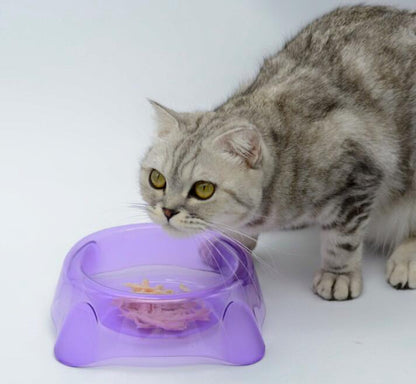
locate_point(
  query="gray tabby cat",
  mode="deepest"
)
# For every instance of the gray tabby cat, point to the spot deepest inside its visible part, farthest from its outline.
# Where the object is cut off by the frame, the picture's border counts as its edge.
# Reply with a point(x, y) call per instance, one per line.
point(326, 134)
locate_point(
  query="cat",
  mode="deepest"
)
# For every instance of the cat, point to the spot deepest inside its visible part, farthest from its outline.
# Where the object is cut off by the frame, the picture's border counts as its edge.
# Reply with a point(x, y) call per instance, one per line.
point(325, 134)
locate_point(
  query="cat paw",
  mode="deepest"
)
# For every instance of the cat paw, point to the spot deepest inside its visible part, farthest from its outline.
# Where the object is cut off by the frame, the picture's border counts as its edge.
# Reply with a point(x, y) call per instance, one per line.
point(337, 286)
point(401, 272)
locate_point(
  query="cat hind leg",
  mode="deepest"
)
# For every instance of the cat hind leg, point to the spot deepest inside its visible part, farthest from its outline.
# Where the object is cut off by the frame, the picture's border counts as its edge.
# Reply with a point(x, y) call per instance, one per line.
point(401, 265)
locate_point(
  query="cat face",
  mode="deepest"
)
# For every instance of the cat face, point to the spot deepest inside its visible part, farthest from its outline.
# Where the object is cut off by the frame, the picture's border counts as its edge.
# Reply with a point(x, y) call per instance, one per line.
point(202, 171)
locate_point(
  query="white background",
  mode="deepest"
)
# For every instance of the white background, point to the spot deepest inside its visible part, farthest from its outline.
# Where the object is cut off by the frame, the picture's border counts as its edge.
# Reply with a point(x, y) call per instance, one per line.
point(74, 122)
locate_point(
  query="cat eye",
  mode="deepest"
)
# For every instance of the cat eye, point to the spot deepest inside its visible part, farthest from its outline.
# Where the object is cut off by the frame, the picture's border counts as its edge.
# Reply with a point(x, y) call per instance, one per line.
point(202, 190)
point(157, 180)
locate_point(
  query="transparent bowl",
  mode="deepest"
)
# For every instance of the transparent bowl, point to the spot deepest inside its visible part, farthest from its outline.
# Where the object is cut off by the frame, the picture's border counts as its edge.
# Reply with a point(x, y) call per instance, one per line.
point(213, 310)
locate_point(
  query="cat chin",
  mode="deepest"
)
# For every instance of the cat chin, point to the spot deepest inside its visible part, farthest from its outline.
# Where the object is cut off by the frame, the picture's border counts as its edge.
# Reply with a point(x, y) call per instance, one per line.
point(179, 233)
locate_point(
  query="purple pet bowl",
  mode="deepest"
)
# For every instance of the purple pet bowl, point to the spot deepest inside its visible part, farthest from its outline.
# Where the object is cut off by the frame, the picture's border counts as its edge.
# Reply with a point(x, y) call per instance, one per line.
point(212, 313)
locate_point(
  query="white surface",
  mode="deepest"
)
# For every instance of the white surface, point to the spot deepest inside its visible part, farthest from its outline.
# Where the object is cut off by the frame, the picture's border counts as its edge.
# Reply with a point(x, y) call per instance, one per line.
point(74, 121)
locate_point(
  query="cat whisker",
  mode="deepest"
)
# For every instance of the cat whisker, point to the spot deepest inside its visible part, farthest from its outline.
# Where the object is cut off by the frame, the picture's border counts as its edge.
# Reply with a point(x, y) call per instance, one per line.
point(216, 262)
point(245, 236)
point(255, 256)
point(138, 205)
point(240, 263)
point(227, 227)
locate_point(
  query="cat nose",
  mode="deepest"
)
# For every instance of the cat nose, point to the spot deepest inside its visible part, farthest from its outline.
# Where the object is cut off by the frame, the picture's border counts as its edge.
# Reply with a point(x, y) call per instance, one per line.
point(169, 212)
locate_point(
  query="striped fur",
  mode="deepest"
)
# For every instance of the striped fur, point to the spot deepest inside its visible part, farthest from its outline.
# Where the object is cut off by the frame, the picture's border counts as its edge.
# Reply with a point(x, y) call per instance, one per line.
point(325, 133)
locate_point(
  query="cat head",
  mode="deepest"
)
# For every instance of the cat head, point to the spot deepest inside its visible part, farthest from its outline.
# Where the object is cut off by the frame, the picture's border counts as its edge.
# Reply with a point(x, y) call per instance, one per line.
point(203, 170)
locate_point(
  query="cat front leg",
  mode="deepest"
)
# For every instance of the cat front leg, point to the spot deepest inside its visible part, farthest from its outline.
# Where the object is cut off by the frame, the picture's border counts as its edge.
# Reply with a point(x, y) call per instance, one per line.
point(344, 215)
point(341, 248)
point(340, 275)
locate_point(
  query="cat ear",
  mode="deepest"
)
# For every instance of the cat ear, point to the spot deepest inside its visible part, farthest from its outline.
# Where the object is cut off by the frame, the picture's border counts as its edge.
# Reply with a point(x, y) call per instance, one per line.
point(243, 144)
point(167, 119)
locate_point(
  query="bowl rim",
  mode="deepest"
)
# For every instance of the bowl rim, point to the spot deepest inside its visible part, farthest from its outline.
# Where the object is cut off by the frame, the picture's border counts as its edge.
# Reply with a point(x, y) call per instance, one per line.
point(198, 293)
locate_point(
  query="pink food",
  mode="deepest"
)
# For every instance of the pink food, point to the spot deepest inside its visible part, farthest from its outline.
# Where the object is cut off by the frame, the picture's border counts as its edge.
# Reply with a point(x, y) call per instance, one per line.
point(170, 316)
point(175, 316)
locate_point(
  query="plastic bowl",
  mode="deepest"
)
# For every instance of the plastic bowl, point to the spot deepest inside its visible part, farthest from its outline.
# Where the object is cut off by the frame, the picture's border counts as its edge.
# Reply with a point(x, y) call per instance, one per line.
point(214, 313)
